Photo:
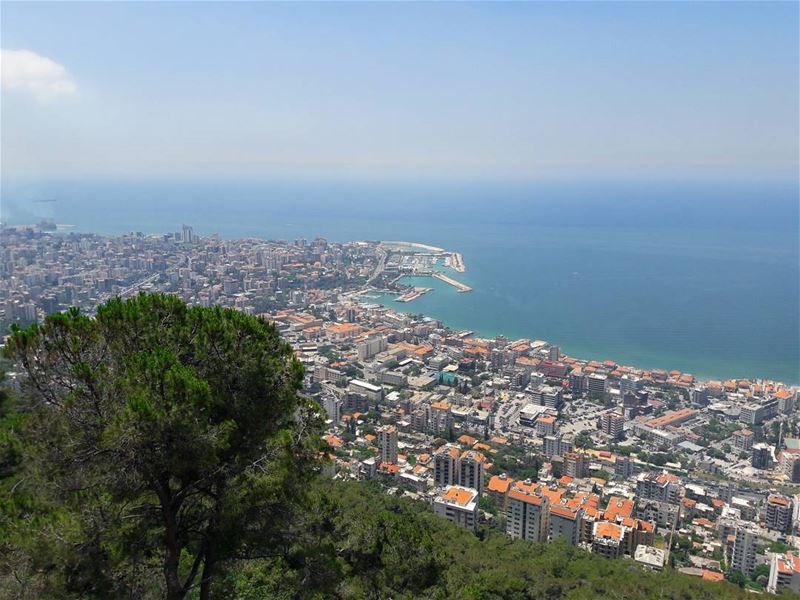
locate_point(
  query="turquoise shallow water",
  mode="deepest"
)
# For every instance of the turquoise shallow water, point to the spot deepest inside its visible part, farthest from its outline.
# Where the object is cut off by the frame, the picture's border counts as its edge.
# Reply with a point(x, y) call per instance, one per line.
point(701, 278)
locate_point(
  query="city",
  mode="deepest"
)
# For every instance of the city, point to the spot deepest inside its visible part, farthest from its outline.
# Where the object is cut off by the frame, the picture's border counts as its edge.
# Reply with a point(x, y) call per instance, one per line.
point(648, 465)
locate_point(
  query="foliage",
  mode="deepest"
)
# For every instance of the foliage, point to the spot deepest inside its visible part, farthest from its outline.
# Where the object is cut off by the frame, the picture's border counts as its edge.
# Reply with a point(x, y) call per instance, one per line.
point(515, 462)
point(488, 504)
point(369, 545)
point(583, 440)
point(625, 450)
point(778, 547)
point(162, 439)
point(737, 578)
point(715, 430)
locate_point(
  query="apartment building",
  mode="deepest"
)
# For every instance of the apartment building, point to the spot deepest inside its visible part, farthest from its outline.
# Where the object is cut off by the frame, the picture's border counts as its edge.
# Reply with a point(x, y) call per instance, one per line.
point(527, 515)
point(459, 505)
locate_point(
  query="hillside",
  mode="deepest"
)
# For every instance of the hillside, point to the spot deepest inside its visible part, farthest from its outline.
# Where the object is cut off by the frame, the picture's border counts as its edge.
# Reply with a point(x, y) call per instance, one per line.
point(162, 451)
point(360, 543)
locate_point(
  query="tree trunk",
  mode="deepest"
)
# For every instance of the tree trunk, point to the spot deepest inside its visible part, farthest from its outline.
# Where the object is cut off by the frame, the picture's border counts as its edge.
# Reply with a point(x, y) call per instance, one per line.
point(210, 548)
point(174, 589)
point(172, 549)
point(208, 573)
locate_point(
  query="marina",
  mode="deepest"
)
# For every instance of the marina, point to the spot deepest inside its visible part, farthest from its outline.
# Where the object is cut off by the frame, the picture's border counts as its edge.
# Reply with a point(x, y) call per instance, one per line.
point(413, 294)
point(400, 259)
point(456, 262)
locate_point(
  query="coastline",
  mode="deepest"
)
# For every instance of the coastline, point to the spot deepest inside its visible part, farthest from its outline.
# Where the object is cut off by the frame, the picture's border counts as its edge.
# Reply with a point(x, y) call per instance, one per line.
point(698, 375)
point(724, 309)
point(477, 332)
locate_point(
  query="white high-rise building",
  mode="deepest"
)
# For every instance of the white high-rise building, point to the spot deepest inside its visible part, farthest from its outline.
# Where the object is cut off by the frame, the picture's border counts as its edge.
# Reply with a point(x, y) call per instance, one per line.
point(387, 436)
point(187, 234)
point(628, 384)
point(557, 445)
point(445, 466)
point(333, 406)
point(597, 384)
point(470, 470)
point(744, 550)
point(526, 515)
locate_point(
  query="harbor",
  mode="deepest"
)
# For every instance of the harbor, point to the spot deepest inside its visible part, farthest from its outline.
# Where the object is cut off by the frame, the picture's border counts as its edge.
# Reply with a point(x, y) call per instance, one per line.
point(413, 294)
point(400, 259)
point(456, 262)
point(460, 287)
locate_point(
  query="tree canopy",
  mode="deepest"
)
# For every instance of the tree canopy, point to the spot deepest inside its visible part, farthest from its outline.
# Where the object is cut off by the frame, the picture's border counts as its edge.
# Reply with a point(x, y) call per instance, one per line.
point(173, 438)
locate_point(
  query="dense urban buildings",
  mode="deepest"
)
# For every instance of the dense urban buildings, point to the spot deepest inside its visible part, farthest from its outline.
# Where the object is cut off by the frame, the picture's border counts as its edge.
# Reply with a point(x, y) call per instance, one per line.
point(648, 465)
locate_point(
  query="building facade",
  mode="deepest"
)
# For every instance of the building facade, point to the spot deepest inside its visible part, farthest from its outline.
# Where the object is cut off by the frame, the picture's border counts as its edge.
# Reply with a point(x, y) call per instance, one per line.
point(387, 437)
point(459, 505)
point(526, 516)
point(743, 558)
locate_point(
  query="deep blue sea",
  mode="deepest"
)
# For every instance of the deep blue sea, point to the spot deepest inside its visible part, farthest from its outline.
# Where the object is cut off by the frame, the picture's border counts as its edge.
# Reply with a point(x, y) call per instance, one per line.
point(701, 277)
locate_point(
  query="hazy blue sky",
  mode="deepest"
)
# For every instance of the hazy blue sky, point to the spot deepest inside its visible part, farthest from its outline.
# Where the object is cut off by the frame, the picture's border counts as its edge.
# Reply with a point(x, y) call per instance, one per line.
point(617, 90)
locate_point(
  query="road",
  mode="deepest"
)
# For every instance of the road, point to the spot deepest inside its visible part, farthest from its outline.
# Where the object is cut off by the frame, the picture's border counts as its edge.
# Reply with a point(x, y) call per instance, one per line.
point(379, 267)
point(130, 289)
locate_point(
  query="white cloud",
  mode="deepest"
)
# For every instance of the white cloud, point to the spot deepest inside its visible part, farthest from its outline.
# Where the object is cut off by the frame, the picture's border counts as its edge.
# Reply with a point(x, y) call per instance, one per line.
point(30, 73)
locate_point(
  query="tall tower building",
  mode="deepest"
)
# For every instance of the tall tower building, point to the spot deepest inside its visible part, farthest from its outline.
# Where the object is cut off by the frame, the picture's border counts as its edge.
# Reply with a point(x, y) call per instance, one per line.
point(744, 550)
point(187, 234)
point(576, 465)
point(445, 466)
point(779, 513)
point(470, 470)
point(387, 437)
point(565, 524)
point(761, 456)
point(350, 314)
point(440, 419)
point(333, 406)
point(526, 515)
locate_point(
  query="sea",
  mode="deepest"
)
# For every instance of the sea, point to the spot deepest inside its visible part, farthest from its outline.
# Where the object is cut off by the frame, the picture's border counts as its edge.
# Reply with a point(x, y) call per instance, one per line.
point(702, 277)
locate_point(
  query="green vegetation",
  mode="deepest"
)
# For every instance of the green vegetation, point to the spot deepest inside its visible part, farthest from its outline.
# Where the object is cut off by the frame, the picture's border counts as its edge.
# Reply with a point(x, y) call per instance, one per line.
point(162, 451)
point(583, 440)
point(657, 458)
point(716, 431)
point(779, 547)
point(625, 450)
point(159, 440)
point(487, 503)
point(757, 581)
point(515, 462)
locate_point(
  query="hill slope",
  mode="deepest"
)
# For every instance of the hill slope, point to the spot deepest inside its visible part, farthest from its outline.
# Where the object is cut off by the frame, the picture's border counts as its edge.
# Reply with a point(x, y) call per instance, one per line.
point(360, 543)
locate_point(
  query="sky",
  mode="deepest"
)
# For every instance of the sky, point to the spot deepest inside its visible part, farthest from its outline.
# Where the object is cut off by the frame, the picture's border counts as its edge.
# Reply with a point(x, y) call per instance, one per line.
point(670, 90)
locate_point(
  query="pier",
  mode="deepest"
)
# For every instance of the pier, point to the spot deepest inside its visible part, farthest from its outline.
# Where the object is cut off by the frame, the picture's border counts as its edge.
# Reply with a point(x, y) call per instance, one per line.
point(412, 246)
point(413, 294)
point(461, 287)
